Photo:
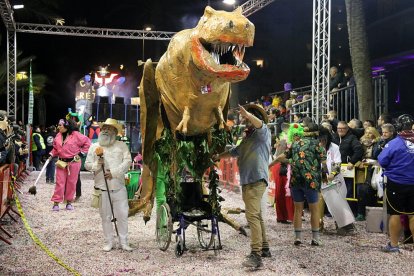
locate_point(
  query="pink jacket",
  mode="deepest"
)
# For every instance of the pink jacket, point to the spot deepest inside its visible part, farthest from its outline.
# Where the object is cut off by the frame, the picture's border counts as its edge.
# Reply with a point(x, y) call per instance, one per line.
point(73, 145)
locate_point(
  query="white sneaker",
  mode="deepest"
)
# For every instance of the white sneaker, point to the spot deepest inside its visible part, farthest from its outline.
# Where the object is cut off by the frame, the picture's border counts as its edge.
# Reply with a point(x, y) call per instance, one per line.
point(126, 247)
point(107, 247)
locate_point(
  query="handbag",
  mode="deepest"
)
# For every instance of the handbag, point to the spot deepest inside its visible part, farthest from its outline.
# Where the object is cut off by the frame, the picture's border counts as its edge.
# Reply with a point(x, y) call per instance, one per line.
point(61, 164)
point(96, 198)
point(377, 180)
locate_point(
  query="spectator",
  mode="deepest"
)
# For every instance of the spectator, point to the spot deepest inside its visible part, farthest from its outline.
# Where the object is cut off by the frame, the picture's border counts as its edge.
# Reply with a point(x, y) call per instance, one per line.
point(38, 147)
point(388, 133)
point(50, 169)
point(287, 88)
point(397, 160)
point(298, 118)
point(335, 79)
point(332, 119)
point(366, 194)
point(231, 120)
point(349, 77)
point(351, 151)
point(368, 123)
point(384, 118)
point(277, 100)
point(356, 127)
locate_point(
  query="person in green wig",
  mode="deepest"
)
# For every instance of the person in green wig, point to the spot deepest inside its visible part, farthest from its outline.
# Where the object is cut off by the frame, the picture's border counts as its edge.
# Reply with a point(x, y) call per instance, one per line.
point(305, 156)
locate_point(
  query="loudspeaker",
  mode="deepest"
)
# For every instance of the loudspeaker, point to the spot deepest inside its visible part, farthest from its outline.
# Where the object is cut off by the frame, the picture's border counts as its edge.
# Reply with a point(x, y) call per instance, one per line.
point(119, 100)
point(118, 112)
point(132, 114)
point(102, 111)
point(103, 99)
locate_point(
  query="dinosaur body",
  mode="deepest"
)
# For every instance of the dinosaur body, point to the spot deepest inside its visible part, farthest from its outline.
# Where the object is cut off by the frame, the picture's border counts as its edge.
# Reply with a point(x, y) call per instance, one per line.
point(191, 82)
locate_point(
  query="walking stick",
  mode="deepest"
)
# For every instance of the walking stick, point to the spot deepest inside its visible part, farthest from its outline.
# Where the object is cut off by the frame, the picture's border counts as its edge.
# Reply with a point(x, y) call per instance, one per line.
point(110, 200)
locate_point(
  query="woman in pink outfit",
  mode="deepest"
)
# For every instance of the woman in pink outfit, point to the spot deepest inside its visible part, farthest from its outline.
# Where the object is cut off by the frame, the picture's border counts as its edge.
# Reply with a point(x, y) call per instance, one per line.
point(69, 145)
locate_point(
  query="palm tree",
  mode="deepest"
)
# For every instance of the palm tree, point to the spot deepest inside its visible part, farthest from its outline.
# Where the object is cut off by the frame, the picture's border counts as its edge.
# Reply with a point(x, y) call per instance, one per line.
point(361, 64)
point(39, 83)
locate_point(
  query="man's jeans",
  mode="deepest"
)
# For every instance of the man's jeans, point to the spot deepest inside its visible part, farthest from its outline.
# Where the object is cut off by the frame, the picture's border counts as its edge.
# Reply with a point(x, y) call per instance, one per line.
point(252, 194)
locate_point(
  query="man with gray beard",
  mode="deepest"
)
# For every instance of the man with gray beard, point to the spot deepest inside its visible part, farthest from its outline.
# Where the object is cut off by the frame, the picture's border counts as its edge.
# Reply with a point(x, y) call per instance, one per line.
point(115, 158)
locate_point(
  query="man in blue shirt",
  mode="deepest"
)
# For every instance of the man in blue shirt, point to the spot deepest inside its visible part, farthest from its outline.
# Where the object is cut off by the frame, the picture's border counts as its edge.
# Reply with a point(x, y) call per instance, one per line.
point(253, 160)
point(397, 159)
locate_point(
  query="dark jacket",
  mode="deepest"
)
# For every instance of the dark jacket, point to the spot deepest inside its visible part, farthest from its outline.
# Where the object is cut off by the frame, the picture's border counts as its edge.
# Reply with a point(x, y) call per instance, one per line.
point(350, 148)
point(49, 137)
point(379, 146)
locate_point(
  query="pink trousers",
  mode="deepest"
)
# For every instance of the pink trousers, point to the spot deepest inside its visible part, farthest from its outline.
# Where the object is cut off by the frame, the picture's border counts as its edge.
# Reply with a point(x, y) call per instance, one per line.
point(66, 179)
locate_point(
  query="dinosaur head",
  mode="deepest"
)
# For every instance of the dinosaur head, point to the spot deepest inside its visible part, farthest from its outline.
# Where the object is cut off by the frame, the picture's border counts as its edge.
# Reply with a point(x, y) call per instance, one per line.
point(218, 44)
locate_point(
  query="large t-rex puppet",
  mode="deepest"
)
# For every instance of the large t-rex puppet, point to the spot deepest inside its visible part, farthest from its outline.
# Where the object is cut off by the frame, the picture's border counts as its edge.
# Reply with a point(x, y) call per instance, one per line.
point(191, 82)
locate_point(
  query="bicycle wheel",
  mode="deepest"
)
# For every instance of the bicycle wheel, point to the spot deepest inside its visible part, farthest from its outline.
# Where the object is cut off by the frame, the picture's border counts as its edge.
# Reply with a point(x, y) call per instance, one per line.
point(164, 227)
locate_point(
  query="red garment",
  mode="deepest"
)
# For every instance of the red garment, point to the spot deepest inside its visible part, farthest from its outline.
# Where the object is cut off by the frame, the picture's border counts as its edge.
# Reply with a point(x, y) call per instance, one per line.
point(94, 132)
point(284, 204)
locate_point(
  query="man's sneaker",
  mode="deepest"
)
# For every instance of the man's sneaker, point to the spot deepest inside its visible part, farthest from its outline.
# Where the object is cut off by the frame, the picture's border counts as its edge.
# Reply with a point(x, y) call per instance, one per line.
point(297, 242)
point(126, 247)
point(55, 208)
point(316, 243)
point(253, 261)
point(69, 207)
point(266, 253)
point(47, 180)
point(391, 249)
point(107, 247)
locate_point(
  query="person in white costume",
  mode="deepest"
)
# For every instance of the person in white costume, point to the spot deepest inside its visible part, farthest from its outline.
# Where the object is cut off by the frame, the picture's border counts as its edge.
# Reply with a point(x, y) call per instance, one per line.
point(335, 195)
point(116, 159)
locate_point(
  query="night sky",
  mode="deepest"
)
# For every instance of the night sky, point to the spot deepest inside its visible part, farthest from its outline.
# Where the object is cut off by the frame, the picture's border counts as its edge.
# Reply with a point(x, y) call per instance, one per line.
point(283, 40)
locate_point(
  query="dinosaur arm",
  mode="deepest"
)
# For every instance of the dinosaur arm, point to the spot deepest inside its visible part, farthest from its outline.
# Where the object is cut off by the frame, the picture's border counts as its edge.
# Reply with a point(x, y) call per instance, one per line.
point(182, 126)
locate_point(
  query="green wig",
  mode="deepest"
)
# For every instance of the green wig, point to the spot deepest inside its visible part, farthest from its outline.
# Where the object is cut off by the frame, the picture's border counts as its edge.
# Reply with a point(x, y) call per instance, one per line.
point(295, 129)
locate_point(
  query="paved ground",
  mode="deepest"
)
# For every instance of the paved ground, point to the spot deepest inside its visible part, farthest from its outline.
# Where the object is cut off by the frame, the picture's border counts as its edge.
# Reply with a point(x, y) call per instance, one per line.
point(75, 237)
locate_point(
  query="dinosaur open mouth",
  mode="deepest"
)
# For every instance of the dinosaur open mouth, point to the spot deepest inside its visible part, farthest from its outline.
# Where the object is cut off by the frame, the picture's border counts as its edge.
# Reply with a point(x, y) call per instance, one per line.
point(226, 53)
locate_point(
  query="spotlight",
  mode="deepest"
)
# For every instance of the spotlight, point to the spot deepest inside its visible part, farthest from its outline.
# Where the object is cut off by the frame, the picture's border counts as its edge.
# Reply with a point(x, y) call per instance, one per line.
point(17, 4)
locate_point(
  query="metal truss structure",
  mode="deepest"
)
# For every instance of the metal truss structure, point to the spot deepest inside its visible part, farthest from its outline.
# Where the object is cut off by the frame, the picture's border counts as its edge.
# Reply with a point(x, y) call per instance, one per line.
point(92, 32)
point(253, 6)
point(321, 58)
point(248, 9)
point(7, 15)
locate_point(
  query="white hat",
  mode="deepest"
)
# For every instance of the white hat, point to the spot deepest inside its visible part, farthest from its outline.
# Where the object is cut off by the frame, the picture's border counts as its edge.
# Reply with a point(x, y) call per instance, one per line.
point(113, 123)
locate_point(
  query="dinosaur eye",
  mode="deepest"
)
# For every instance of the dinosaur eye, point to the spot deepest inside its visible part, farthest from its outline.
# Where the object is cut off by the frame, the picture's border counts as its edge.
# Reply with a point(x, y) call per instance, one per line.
point(231, 24)
point(247, 25)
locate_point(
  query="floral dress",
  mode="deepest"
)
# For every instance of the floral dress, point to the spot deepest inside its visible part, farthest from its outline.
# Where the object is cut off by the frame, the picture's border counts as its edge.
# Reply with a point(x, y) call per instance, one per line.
point(306, 157)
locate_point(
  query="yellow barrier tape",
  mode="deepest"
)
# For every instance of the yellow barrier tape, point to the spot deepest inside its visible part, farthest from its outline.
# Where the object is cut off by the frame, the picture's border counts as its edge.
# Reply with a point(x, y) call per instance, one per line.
point(36, 239)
